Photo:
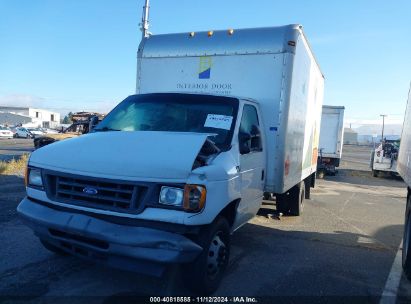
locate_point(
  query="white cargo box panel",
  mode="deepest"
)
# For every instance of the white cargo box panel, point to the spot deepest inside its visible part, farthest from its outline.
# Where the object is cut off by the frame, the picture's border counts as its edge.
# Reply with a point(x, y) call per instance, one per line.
point(404, 157)
point(332, 130)
point(274, 66)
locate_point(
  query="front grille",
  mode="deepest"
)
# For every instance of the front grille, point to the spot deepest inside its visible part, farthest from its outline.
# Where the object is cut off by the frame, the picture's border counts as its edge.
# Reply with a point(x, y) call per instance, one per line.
point(95, 193)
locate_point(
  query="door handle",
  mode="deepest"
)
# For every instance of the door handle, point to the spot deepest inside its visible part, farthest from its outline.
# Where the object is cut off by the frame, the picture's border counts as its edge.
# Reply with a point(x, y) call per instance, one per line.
point(262, 174)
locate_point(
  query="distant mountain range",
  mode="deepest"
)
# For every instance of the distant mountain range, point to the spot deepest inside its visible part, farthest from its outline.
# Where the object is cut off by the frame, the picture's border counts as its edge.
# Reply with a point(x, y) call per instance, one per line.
point(375, 129)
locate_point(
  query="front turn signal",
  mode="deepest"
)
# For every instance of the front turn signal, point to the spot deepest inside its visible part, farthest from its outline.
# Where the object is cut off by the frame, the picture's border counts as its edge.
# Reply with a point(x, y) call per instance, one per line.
point(194, 198)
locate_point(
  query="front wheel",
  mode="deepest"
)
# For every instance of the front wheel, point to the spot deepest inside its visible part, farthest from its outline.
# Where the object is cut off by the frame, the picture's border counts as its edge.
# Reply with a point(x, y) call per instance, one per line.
point(205, 273)
point(375, 173)
point(406, 245)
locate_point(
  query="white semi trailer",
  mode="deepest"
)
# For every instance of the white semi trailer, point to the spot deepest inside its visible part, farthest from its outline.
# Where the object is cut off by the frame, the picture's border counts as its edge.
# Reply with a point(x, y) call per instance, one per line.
point(404, 169)
point(331, 139)
point(219, 118)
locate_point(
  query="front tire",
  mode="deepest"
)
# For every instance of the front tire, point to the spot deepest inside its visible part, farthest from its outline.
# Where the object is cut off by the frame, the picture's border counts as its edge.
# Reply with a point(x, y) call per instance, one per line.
point(375, 173)
point(204, 275)
point(406, 246)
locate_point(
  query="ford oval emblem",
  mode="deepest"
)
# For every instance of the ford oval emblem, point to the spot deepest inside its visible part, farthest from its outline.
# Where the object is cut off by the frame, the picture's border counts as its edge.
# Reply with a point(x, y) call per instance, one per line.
point(90, 191)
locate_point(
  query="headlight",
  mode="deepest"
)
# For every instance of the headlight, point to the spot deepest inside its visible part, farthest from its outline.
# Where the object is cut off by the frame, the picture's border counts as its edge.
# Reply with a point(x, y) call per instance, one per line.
point(194, 197)
point(171, 196)
point(34, 178)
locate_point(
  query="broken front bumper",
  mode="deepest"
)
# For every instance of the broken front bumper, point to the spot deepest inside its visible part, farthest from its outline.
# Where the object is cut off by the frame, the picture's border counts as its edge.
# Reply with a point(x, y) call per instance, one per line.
point(132, 248)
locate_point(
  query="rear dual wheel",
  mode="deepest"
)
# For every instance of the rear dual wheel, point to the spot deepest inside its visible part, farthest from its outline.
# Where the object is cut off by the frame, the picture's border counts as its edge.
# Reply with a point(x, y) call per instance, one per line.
point(292, 202)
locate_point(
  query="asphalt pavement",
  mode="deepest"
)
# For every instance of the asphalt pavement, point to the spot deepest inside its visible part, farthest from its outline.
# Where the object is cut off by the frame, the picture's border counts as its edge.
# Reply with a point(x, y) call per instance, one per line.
point(342, 249)
point(14, 148)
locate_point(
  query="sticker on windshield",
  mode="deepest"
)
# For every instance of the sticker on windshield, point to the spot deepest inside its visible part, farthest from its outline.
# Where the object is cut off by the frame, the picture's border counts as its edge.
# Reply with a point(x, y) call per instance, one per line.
point(218, 121)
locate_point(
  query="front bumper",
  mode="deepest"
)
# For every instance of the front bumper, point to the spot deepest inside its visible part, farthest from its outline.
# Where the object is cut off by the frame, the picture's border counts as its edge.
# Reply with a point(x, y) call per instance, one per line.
point(139, 249)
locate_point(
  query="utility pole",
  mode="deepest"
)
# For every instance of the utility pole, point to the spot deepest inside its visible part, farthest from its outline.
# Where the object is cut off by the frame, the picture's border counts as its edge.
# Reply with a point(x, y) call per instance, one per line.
point(383, 123)
point(144, 20)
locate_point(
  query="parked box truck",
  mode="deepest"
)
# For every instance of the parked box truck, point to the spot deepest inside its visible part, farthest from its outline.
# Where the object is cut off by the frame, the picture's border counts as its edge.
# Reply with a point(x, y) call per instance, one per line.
point(331, 139)
point(404, 169)
point(219, 118)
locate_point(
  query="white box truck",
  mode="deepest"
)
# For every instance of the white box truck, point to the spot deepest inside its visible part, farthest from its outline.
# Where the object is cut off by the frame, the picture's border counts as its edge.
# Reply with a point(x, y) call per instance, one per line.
point(331, 139)
point(404, 169)
point(219, 118)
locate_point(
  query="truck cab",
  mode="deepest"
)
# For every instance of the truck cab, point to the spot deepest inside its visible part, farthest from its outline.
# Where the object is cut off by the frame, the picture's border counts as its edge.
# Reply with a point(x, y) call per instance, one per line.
point(178, 173)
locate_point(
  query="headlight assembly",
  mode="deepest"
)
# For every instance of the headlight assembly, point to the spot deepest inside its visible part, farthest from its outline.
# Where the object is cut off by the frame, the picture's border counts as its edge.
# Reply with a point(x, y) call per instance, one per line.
point(34, 177)
point(171, 196)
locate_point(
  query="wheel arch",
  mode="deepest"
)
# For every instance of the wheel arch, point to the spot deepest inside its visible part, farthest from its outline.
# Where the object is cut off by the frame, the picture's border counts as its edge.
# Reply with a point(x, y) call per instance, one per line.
point(230, 211)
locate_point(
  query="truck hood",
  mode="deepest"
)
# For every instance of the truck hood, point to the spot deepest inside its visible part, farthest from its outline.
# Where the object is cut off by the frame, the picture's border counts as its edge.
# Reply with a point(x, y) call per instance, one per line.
point(142, 155)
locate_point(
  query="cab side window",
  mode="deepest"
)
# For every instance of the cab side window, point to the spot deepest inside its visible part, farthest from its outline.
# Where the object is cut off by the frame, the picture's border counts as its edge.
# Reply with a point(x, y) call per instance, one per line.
point(249, 133)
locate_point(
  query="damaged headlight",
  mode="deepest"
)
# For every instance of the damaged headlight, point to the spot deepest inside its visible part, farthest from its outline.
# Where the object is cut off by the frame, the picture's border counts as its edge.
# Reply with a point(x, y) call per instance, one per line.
point(191, 199)
point(171, 196)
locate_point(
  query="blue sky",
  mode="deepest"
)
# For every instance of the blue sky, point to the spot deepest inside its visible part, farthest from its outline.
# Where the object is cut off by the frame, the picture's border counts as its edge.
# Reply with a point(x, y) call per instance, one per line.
point(81, 54)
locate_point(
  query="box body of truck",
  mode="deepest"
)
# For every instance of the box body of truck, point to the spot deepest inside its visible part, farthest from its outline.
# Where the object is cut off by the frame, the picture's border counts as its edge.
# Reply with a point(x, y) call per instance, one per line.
point(273, 66)
point(331, 138)
point(404, 169)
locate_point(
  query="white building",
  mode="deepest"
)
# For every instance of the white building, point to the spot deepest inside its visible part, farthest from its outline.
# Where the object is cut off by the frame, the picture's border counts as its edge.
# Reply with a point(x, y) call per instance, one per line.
point(21, 115)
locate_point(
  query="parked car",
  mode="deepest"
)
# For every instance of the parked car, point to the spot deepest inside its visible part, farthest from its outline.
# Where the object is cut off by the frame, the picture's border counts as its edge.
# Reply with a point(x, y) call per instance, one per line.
point(49, 131)
point(14, 131)
point(23, 132)
point(36, 132)
point(5, 132)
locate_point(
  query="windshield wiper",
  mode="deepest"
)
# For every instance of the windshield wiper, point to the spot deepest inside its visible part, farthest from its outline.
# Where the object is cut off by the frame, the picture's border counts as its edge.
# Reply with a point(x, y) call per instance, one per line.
point(104, 129)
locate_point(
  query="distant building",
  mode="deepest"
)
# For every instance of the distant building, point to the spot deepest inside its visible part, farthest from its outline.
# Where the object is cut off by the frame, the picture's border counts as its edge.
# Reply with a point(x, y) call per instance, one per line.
point(35, 117)
point(350, 137)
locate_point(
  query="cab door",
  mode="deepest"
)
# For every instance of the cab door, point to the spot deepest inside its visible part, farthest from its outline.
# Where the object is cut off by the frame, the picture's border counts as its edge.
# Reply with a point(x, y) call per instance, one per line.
point(252, 163)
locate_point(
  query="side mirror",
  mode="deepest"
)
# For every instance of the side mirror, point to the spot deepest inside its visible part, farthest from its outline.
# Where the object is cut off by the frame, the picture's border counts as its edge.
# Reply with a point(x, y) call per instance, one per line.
point(244, 140)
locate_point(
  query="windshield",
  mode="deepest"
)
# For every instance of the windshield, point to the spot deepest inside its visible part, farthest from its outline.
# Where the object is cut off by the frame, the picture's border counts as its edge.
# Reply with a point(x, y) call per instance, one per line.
point(175, 113)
